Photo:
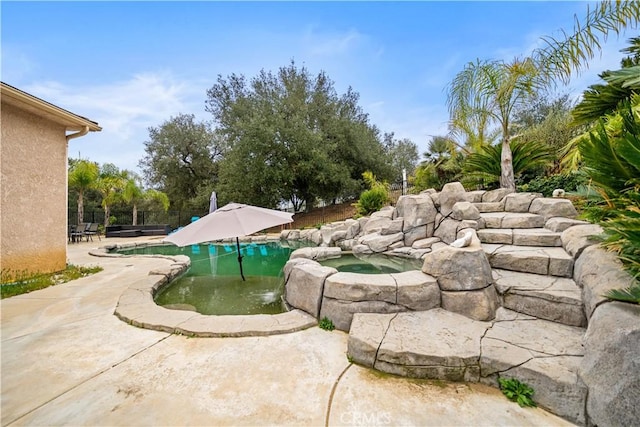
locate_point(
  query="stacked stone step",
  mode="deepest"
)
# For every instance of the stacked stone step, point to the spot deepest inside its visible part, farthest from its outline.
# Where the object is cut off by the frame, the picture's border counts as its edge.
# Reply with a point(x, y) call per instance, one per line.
point(445, 345)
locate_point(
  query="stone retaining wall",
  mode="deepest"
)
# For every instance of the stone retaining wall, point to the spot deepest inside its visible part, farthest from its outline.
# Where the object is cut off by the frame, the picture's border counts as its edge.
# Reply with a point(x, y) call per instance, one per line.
point(422, 226)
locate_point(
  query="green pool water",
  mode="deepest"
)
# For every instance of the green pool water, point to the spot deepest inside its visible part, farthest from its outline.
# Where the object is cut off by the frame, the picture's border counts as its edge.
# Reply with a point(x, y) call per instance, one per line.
point(213, 285)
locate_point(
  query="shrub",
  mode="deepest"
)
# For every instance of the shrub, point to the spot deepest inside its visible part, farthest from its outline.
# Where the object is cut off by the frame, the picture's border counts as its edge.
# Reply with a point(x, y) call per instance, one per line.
point(546, 184)
point(372, 200)
point(516, 391)
point(375, 198)
point(326, 324)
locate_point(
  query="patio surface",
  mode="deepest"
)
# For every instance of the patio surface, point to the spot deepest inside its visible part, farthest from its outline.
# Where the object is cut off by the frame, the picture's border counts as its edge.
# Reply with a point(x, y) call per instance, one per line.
point(67, 360)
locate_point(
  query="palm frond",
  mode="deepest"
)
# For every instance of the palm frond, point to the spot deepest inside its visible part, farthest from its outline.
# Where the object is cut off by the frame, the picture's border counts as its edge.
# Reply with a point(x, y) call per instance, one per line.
point(569, 53)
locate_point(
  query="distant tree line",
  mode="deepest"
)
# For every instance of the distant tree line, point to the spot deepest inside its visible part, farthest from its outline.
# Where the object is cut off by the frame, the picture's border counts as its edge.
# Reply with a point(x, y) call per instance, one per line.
point(278, 137)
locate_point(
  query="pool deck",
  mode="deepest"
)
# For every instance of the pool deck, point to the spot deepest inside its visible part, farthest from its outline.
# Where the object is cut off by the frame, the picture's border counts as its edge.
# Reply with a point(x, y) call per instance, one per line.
point(68, 360)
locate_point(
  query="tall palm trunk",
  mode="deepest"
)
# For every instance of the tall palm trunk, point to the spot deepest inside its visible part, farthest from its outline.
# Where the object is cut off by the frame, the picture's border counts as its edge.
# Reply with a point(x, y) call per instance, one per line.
point(135, 215)
point(107, 214)
point(80, 206)
point(507, 180)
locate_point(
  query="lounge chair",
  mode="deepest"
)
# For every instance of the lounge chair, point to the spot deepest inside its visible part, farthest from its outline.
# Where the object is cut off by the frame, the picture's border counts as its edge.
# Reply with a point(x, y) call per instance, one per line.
point(91, 230)
point(75, 233)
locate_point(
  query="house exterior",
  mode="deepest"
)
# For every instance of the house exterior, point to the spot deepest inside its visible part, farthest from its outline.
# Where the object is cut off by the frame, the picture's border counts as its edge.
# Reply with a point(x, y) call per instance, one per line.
point(33, 185)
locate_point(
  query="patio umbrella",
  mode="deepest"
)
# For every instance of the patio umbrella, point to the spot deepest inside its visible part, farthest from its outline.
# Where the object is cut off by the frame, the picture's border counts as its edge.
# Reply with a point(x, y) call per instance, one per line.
point(232, 220)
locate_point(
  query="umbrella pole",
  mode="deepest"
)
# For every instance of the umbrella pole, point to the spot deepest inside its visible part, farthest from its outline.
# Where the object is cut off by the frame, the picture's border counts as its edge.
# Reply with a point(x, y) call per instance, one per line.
point(239, 258)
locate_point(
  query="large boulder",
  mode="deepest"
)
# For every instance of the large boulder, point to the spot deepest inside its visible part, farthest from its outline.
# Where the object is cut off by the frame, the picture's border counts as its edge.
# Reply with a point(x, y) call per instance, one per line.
point(447, 230)
point(417, 291)
point(578, 238)
point(417, 233)
point(495, 196)
point(375, 225)
point(451, 194)
point(380, 243)
point(317, 253)
point(353, 228)
point(459, 269)
point(394, 227)
point(477, 305)
point(475, 196)
point(416, 211)
point(465, 210)
point(559, 224)
point(611, 365)
point(550, 207)
point(361, 287)
point(384, 212)
point(597, 272)
point(519, 202)
point(304, 288)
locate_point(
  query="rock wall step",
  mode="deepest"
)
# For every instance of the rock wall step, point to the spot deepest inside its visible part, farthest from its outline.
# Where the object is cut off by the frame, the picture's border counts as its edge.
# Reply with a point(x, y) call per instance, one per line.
point(521, 236)
point(438, 344)
point(557, 299)
point(530, 259)
point(512, 220)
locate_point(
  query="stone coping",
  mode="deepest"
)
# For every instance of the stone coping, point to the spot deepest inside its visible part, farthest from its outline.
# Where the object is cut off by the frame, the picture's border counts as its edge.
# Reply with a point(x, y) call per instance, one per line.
point(137, 307)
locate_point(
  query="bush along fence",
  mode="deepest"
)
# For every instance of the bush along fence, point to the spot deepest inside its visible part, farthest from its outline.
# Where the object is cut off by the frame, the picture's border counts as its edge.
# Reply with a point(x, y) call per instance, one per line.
point(318, 216)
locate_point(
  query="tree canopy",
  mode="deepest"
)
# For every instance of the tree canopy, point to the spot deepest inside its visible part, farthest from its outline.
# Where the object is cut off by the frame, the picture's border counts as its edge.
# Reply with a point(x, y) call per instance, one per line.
point(181, 160)
point(290, 136)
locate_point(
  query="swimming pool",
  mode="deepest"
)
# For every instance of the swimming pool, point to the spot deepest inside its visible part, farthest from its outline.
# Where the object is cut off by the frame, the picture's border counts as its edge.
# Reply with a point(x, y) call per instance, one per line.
point(213, 285)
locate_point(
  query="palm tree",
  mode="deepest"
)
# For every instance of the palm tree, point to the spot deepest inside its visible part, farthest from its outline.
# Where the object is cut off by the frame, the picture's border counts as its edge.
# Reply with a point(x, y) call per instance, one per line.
point(110, 184)
point(528, 157)
point(83, 176)
point(494, 89)
point(563, 56)
point(132, 193)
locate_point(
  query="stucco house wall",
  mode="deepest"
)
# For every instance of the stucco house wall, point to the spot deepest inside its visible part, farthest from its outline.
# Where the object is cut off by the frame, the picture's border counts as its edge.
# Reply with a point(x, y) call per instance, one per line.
point(33, 186)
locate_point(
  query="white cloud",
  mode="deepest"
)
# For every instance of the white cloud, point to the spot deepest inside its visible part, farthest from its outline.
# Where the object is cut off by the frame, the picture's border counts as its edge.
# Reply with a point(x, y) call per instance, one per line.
point(327, 43)
point(124, 109)
point(16, 64)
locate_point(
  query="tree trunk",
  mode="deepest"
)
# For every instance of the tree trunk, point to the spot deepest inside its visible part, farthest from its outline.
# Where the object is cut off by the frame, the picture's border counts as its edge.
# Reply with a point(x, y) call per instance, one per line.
point(135, 215)
point(107, 213)
point(80, 206)
point(507, 180)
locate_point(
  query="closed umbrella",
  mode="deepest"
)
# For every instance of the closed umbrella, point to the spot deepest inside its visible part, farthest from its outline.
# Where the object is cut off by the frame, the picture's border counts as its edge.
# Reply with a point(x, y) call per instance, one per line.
point(232, 220)
point(213, 202)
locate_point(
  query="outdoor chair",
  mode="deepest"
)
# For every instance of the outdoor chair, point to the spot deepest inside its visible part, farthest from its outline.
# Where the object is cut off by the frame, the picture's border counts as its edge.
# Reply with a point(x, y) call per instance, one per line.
point(75, 234)
point(91, 230)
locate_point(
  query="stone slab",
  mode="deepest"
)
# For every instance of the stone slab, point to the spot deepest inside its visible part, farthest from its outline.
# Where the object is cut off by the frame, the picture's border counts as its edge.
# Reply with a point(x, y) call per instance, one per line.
point(434, 343)
point(552, 298)
point(530, 259)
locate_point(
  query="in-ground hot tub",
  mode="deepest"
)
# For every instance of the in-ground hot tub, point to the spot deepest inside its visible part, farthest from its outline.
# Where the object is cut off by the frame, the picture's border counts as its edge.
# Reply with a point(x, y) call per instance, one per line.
point(324, 291)
point(371, 264)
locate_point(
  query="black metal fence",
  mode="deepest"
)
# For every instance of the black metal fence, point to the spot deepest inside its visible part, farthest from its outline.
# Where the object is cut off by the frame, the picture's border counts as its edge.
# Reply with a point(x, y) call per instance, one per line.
point(175, 219)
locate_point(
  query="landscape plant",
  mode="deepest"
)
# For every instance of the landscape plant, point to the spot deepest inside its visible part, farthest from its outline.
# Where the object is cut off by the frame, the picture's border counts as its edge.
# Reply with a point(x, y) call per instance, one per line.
point(373, 199)
point(517, 391)
point(528, 157)
point(326, 324)
point(83, 176)
point(15, 283)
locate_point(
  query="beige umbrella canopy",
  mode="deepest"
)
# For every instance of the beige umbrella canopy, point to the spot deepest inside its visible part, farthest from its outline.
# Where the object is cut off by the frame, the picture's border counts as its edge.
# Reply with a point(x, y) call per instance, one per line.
point(232, 220)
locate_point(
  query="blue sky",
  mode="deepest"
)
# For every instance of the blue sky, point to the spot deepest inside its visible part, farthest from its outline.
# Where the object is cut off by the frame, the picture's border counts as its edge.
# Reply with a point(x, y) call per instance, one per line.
point(132, 65)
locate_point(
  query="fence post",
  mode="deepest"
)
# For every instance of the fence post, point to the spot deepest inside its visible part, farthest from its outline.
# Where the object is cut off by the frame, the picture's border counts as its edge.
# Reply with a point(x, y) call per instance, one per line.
point(404, 182)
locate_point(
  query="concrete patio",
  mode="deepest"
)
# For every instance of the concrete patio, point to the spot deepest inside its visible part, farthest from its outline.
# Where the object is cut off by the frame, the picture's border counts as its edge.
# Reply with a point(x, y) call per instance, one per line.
point(67, 360)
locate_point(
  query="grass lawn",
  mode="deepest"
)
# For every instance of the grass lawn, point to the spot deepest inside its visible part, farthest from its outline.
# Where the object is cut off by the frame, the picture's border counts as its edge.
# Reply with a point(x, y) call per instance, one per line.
point(12, 284)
